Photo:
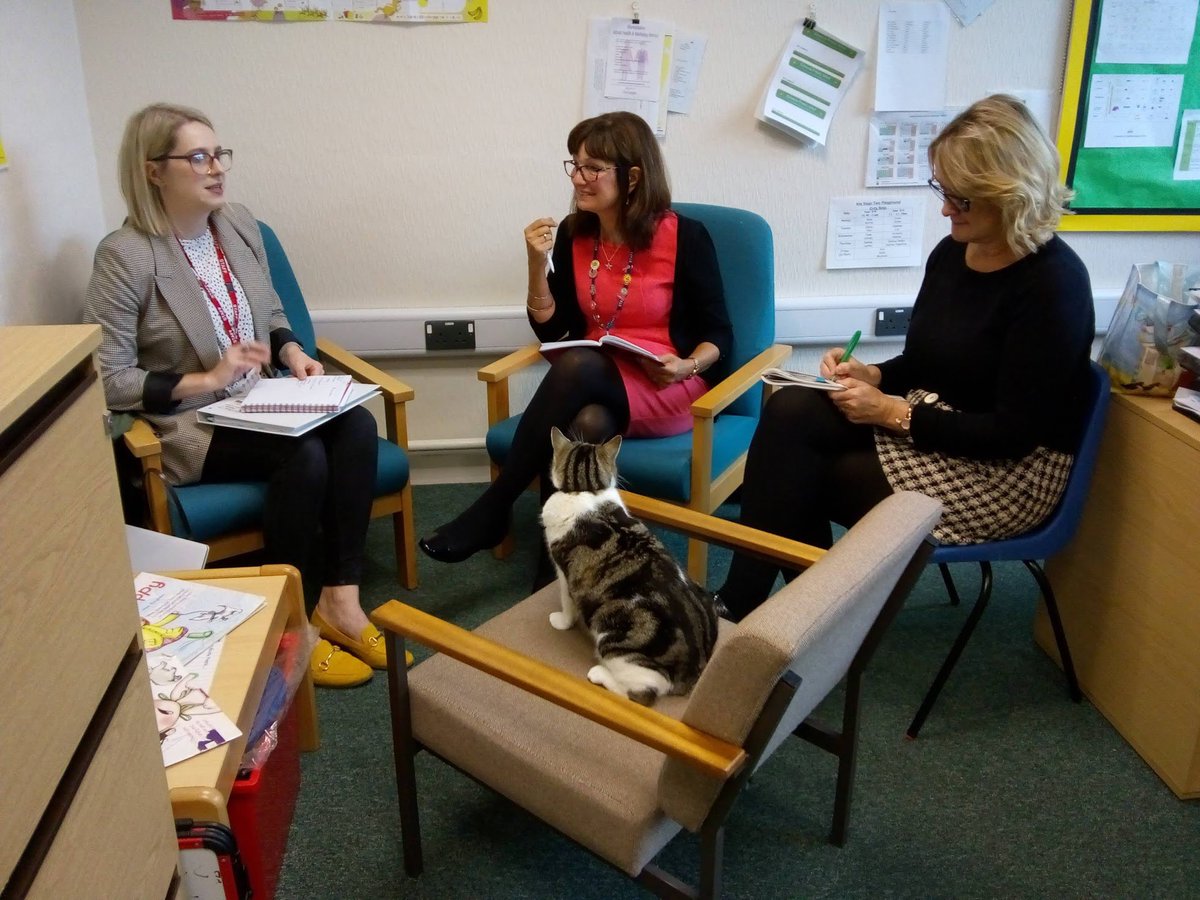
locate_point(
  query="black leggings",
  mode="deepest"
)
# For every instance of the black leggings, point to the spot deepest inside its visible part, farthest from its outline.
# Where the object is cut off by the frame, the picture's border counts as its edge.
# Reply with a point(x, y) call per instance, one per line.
point(321, 481)
point(584, 396)
point(807, 465)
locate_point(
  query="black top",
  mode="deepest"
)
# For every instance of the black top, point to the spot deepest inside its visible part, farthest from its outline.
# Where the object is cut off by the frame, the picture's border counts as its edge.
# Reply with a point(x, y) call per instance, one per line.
point(1008, 350)
point(698, 312)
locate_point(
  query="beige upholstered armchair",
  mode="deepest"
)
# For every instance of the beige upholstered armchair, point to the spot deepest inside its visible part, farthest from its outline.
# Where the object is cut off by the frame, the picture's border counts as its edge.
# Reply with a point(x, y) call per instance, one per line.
point(509, 703)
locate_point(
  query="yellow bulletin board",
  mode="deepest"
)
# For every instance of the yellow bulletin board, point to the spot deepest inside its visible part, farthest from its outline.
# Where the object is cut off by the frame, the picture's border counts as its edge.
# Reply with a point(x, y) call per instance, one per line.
point(1115, 87)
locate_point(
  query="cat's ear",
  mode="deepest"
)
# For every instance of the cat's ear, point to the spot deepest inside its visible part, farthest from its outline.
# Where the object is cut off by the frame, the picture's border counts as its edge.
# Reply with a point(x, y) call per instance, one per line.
point(558, 440)
point(611, 447)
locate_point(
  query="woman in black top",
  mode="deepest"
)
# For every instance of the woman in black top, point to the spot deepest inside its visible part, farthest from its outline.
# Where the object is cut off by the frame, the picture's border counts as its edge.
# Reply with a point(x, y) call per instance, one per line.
point(986, 404)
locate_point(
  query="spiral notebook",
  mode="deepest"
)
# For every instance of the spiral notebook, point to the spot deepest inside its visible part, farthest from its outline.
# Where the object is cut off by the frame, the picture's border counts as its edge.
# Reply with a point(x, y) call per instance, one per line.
point(315, 394)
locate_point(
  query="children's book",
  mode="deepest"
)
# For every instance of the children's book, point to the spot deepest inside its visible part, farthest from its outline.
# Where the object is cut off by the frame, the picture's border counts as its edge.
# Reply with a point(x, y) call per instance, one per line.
point(185, 618)
point(608, 340)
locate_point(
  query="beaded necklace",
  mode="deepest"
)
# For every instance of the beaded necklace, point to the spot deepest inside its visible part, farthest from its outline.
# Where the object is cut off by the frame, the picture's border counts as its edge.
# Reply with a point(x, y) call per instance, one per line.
point(626, 281)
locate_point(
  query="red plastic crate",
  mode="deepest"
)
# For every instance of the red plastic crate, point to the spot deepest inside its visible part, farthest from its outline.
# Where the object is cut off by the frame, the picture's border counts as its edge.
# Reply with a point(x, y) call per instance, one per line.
point(261, 807)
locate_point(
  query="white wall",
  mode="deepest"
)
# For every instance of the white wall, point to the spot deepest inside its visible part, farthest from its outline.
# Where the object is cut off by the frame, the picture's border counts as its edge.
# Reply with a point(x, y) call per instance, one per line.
point(50, 216)
point(399, 164)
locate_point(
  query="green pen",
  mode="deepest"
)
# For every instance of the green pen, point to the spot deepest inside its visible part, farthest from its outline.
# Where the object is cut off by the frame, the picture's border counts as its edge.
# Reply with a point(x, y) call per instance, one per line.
point(850, 347)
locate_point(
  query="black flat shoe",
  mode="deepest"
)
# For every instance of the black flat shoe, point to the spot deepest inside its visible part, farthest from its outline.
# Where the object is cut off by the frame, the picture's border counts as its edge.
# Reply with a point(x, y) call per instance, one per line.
point(453, 542)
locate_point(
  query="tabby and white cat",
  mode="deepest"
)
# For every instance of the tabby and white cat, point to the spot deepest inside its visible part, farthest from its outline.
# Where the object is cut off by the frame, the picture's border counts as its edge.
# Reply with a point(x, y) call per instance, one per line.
point(654, 627)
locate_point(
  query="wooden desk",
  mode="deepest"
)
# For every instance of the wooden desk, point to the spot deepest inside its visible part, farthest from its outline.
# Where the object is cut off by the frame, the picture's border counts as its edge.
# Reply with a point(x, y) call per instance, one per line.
point(200, 787)
point(1129, 587)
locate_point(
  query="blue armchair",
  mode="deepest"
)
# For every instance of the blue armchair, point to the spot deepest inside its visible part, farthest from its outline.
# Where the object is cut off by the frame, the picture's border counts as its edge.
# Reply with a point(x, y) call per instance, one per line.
point(227, 517)
point(701, 468)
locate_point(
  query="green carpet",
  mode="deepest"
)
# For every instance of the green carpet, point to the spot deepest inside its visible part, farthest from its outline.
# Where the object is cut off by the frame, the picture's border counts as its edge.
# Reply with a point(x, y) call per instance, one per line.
point(1011, 791)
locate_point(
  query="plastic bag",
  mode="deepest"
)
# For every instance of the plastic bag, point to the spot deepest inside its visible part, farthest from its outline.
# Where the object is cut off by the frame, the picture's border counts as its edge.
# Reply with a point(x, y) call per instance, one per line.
point(1141, 349)
point(283, 680)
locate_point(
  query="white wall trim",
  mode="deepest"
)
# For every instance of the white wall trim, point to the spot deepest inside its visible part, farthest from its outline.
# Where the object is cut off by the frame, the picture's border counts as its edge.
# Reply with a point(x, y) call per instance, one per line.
point(799, 321)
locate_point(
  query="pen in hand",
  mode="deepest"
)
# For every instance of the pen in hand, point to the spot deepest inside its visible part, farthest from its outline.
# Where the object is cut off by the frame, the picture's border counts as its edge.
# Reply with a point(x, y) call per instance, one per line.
point(850, 347)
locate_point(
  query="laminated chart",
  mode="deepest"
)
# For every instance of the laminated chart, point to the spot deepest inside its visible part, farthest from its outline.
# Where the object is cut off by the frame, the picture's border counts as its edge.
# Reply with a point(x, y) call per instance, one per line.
point(812, 77)
point(415, 11)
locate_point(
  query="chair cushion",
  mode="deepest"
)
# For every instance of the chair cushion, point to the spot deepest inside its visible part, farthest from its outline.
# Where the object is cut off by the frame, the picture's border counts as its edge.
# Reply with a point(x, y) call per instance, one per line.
point(657, 467)
point(594, 785)
point(814, 625)
point(213, 510)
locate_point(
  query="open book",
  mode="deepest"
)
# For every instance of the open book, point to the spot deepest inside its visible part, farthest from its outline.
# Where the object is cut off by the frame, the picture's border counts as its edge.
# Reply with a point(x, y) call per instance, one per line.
point(608, 340)
point(229, 413)
point(316, 393)
point(785, 378)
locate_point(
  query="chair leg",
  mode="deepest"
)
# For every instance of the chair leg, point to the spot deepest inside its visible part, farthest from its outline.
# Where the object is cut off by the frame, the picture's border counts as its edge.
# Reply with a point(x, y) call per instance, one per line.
point(404, 533)
point(950, 588)
point(712, 849)
point(404, 748)
point(697, 561)
point(985, 593)
point(847, 762)
point(1060, 634)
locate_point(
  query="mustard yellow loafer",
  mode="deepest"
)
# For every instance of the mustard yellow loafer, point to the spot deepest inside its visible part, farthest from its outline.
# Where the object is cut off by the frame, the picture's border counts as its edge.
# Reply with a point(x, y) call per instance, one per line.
point(369, 647)
point(333, 667)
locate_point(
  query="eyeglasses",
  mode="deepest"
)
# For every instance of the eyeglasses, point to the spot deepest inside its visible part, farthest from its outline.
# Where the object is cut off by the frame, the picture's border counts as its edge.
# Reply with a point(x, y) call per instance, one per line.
point(202, 160)
point(589, 172)
point(962, 204)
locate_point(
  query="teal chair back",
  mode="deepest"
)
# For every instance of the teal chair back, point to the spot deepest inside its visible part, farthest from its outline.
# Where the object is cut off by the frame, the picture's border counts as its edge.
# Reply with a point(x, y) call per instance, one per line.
point(283, 279)
point(746, 253)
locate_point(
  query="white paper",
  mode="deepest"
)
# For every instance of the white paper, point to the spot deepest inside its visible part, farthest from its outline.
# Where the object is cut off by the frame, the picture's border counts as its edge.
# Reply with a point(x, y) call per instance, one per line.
point(687, 55)
point(809, 82)
point(189, 722)
point(594, 100)
point(1187, 158)
point(898, 147)
point(185, 618)
point(910, 73)
point(634, 63)
point(1132, 110)
point(866, 233)
point(1146, 31)
point(1040, 103)
point(967, 11)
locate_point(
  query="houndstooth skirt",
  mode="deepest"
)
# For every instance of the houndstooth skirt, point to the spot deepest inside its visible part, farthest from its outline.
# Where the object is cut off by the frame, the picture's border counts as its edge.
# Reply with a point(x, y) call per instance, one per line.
point(982, 499)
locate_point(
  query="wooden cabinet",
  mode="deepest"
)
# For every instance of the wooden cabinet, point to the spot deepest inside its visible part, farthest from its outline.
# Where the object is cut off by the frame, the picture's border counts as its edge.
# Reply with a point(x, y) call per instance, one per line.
point(1129, 587)
point(85, 796)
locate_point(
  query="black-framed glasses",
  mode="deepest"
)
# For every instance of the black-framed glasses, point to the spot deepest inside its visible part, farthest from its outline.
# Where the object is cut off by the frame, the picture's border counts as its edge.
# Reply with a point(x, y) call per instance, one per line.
point(589, 171)
point(962, 204)
point(202, 160)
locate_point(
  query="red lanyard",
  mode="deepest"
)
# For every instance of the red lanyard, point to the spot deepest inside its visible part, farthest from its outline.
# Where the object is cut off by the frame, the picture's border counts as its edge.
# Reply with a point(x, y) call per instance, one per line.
point(231, 327)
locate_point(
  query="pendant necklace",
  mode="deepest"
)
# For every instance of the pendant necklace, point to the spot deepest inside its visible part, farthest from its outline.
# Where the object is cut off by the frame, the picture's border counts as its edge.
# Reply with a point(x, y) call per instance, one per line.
point(626, 281)
point(608, 257)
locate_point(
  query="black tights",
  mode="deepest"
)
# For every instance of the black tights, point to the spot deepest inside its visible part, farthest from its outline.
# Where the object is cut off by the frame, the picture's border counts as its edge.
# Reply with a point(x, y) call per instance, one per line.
point(584, 396)
point(321, 481)
point(807, 465)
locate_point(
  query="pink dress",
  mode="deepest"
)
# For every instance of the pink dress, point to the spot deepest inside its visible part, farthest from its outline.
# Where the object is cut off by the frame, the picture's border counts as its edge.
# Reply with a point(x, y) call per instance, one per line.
point(654, 411)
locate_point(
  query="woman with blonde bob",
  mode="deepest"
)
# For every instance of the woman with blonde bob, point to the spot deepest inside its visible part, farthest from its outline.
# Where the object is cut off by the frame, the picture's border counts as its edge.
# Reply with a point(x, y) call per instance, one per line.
point(184, 300)
point(985, 405)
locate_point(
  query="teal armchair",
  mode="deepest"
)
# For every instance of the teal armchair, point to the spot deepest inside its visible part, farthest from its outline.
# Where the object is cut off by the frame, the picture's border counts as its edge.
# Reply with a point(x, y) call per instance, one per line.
point(701, 468)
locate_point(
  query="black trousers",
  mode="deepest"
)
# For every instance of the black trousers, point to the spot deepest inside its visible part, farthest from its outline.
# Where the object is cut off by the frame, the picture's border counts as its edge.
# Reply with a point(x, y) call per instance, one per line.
point(318, 484)
point(807, 466)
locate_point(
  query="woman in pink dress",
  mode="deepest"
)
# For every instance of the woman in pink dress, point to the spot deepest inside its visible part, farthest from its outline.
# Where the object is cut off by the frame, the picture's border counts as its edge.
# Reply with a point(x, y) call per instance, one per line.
point(624, 264)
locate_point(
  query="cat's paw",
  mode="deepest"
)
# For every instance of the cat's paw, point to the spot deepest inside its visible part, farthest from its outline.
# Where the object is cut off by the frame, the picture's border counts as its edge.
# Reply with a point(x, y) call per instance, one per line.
point(561, 621)
point(597, 674)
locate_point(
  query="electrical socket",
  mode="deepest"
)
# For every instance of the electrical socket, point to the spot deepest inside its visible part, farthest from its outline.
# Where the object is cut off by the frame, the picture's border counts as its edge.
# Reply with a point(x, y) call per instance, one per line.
point(892, 322)
point(454, 335)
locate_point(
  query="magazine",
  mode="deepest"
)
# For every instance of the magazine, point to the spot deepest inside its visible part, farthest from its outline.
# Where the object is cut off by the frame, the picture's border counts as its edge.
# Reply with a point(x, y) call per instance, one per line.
point(786, 378)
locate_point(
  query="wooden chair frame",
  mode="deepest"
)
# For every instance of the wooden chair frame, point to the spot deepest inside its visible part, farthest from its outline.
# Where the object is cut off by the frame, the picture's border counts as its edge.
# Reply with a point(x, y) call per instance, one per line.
point(729, 763)
point(144, 444)
point(707, 492)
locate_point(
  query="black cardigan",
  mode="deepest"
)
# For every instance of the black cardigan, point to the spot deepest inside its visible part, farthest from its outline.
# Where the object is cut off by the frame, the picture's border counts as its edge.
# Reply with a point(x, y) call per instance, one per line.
point(698, 312)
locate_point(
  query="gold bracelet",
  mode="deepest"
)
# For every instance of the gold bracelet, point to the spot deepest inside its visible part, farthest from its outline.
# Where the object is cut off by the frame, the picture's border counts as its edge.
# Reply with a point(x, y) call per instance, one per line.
point(695, 367)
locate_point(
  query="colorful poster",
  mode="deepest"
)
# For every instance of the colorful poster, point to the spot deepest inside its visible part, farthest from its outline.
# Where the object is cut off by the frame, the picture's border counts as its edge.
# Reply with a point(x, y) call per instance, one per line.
point(251, 10)
point(415, 11)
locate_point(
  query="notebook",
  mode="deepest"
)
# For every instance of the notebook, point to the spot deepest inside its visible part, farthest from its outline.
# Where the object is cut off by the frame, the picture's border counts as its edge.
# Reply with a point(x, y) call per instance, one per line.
point(315, 394)
point(229, 413)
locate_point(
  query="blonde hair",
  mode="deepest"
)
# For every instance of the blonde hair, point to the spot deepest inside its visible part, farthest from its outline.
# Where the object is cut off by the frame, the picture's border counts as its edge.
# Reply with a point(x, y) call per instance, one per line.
point(994, 150)
point(149, 134)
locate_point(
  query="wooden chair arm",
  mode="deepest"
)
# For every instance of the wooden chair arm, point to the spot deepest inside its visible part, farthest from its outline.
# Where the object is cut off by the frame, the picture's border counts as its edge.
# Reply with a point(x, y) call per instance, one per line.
point(394, 390)
point(509, 365)
point(142, 441)
point(710, 755)
point(707, 405)
point(741, 538)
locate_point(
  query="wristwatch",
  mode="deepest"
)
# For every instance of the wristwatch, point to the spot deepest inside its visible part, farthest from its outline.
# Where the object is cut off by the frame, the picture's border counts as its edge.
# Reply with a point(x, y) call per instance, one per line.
point(919, 398)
